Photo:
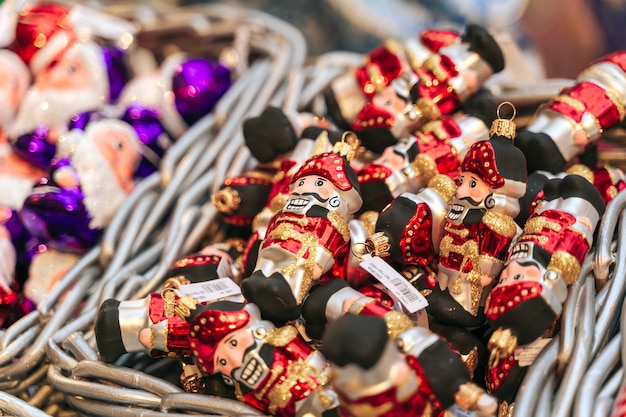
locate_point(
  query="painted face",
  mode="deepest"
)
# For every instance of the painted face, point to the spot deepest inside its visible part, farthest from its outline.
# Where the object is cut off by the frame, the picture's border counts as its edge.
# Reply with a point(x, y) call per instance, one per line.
point(70, 72)
point(312, 190)
point(472, 196)
point(515, 272)
point(116, 148)
point(389, 100)
point(231, 350)
point(392, 159)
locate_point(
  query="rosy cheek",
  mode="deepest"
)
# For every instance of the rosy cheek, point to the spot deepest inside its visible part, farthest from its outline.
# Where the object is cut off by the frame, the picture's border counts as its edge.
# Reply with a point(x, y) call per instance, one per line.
point(476, 194)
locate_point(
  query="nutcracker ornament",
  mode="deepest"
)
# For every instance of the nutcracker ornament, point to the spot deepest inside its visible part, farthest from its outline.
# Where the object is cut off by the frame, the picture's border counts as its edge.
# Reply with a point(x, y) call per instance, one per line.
point(573, 121)
point(479, 227)
point(545, 260)
point(125, 326)
point(412, 224)
point(270, 368)
point(413, 373)
point(437, 148)
point(309, 236)
point(349, 93)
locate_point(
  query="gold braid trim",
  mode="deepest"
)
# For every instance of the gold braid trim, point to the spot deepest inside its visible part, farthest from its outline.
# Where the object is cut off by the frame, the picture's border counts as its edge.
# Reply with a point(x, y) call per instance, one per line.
point(424, 166)
point(469, 250)
point(297, 372)
point(500, 223)
point(582, 170)
point(340, 224)
point(397, 322)
point(281, 336)
point(309, 243)
point(566, 265)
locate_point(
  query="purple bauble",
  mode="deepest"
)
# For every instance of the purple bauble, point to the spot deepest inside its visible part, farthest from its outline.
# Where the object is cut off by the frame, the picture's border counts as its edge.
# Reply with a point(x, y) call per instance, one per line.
point(35, 147)
point(197, 85)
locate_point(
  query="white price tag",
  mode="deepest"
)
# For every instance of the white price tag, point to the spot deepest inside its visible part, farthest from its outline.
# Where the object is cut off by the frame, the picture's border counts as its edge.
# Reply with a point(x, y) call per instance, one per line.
point(402, 289)
point(207, 291)
point(526, 354)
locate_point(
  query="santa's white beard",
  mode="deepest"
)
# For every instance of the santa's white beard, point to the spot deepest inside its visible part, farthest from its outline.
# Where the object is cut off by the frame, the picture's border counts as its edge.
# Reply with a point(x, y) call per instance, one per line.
point(7, 111)
point(103, 194)
point(53, 107)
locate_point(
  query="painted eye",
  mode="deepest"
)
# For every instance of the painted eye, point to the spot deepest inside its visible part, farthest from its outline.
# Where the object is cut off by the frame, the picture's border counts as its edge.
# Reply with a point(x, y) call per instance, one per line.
point(518, 277)
point(472, 183)
point(71, 69)
point(319, 183)
point(300, 183)
point(118, 145)
point(233, 343)
point(222, 362)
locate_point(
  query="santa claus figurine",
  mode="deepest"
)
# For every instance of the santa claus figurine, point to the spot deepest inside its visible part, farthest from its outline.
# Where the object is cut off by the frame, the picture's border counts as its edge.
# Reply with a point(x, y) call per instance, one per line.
point(532, 288)
point(70, 76)
point(17, 175)
point(573, 121)
point(479, 227)
point(308, 237)
point(68, 211)
point(411, 373)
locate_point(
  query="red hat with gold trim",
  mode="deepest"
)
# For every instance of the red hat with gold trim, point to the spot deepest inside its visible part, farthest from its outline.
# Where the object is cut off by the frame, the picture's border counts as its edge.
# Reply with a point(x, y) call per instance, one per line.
point(212, 324)
point(382, 66)
point(497, 161)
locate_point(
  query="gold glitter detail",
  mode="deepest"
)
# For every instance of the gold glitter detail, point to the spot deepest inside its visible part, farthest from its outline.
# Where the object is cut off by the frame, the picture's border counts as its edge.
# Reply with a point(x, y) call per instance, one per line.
point(614, 95)
point(505, 409)
point(322, 142)
point(185, 305)
point(368, 219)
point(500, 223)
point(397, 322)
point(281, 336)
point(424, 166)
point(502, 343)
point(582, 170)
point(340, 224)
point(309, 244)
point(566, 265)
point(436, 128)
point(378, 245)
point(433, 64)
point(444, 186)
point(535, 225)
point(226, 200)
point(175, 282)
point(169, 302)
point(570, 101)
point(298, 372)
point(165, 336)
point(348, 146)
point(469, 250)
point(427, 109)
point(278, 202)
point(471, 360)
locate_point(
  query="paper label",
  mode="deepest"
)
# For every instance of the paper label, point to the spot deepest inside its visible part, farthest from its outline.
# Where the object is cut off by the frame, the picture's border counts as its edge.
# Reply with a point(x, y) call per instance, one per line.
point(207, 291)
point(410, 298)
point(526, 355)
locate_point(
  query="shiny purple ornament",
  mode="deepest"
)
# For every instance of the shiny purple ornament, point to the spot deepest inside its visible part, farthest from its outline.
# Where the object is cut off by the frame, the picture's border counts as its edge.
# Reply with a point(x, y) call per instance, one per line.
point(58, 217)
point(197, 85)
point(35, 147)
